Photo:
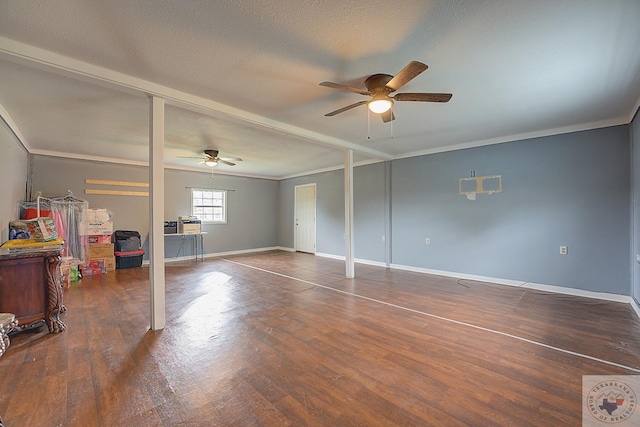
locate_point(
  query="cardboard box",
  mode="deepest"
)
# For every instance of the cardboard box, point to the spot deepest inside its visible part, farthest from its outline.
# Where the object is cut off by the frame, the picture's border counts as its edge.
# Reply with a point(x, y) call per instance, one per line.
point(98, 238)
point(93, 271)
point(88, 228)
point(100, 251)
point(93, 268)
point(97, 215)
point(110, 263)
point(107, 263)
point(95, 228)
point(93, 263)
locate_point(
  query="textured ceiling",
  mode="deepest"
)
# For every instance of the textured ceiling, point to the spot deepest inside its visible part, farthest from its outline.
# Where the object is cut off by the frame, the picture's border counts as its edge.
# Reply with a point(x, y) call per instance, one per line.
point(242, 76)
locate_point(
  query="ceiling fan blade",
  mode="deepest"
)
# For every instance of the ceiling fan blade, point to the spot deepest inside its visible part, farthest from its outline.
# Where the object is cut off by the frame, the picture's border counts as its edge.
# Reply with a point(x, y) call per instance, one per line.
point(387, 116)
point(230, 159)
point(219, 160)
point(190, 157)
point(343, 109)
point(423, 97)
point(345, 88)
point(405, 75)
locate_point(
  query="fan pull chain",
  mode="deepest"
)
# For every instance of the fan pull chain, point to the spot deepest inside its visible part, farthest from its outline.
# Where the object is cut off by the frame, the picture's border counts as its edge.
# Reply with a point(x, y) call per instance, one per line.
point(368, 124)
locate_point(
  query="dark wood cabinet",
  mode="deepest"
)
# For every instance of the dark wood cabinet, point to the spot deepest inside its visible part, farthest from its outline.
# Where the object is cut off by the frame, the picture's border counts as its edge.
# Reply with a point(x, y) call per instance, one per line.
point(30, 288)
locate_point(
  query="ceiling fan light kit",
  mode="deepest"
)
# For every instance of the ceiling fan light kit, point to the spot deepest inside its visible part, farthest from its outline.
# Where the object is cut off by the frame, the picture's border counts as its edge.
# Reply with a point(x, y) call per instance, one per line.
point(380, 104)
point(379, 86)
point(211, 159)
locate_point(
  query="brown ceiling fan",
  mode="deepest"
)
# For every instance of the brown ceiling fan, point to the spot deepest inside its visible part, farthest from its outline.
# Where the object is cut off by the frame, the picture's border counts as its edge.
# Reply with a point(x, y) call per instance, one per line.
point(380, 86)
point(210, 158)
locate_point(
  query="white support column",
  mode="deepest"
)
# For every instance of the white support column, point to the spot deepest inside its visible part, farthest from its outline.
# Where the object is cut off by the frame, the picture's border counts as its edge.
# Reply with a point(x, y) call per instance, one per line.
point(388, 230)
point(348, 213)
point(156, 212)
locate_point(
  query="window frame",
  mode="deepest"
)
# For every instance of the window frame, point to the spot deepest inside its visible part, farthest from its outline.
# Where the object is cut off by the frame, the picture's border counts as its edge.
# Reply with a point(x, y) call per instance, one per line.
point(200, 215)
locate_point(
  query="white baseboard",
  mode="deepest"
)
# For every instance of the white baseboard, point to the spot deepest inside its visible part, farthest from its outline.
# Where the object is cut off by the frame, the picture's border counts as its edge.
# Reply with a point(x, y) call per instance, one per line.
point(330, 256)
point(635, 306)
point(455, 275)
point(219, 254)
point(578, 292)
point(518, 283)
point(357, 260)
point(369, 262)
point(507, 282)
point(241, 252)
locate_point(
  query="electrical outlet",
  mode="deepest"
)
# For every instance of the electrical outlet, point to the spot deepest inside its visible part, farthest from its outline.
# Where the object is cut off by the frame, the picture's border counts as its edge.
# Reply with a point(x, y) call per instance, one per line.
point(564, 250)
point(383, 238)
point(427, 241)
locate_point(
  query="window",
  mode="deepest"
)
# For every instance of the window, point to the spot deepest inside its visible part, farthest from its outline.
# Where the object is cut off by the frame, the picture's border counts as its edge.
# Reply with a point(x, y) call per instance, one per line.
point(209, 205)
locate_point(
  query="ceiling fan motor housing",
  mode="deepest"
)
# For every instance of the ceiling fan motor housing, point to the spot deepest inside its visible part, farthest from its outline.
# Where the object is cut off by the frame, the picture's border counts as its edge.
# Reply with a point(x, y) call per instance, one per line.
point(376, 84)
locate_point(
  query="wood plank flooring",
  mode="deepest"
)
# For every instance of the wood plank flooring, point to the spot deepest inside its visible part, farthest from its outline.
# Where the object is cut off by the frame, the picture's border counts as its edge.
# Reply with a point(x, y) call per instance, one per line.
point(283, 339)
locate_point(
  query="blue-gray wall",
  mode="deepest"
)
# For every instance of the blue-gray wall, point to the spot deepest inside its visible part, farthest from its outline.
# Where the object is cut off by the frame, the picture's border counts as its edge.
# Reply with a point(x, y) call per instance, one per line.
point(252, 210)
point(369, 217)
point(570, 189)
point(329, 211)
point(635, 234)
point(369, 212)
point(251, 206)
point(14, 170)
point(564, 190)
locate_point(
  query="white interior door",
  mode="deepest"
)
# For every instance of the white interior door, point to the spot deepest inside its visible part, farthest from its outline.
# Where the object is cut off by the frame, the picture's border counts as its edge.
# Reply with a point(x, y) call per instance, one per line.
point(305, 216)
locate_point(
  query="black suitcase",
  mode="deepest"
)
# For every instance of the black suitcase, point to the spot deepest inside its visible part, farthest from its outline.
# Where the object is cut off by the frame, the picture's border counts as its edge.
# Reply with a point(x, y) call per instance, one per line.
point(126, 240)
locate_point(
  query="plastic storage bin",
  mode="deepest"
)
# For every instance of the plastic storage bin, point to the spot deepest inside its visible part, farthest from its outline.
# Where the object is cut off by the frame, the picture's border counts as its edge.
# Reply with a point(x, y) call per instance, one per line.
point(129, 259)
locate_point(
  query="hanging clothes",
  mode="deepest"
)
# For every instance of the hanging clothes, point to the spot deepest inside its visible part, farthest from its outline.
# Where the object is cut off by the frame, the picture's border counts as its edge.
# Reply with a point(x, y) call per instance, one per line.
point(67, 212)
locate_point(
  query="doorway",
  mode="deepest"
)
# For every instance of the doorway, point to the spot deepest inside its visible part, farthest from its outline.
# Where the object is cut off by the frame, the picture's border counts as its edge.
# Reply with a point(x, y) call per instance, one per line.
point(305, 218)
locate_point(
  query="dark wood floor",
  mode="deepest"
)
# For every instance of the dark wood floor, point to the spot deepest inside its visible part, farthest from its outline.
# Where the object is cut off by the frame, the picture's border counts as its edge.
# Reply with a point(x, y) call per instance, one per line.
point(283, 339)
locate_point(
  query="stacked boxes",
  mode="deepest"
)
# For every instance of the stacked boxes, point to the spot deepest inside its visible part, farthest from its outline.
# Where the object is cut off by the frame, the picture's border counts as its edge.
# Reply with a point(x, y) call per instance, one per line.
point(100, 257)
point(96, 222)
point(128, 250)
point(96, 228)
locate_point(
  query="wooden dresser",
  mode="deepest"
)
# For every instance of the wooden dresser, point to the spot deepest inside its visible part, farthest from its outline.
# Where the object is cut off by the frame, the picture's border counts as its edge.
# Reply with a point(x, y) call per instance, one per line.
point(31, 288)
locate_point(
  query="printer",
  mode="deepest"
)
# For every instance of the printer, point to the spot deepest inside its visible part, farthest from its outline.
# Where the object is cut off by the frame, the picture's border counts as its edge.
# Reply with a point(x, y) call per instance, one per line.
point(170, 227)
point(189, 225)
